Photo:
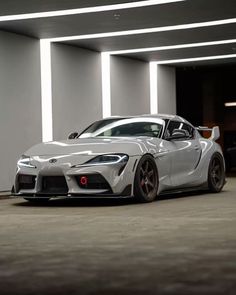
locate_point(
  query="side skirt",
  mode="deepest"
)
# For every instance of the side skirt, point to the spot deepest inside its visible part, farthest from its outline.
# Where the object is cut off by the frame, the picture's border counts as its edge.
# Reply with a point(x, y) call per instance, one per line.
point(203, 187)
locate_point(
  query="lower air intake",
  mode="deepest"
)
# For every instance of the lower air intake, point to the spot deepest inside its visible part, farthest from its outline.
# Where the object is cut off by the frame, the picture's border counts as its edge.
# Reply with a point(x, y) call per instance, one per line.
point(54, 185)
point(26, 182)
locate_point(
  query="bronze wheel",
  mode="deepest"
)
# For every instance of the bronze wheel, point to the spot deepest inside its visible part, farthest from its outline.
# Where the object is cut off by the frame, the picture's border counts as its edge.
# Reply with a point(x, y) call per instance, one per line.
point(146, 179)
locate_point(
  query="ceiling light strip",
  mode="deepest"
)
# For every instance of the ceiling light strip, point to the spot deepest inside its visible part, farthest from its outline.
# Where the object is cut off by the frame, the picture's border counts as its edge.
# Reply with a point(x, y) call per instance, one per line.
point(186, 60)
point(106, 85)
point(153, 88)
point(230, 104)
point(146, 31)
point(46, 90)
point(84, 10)
point(171, 47)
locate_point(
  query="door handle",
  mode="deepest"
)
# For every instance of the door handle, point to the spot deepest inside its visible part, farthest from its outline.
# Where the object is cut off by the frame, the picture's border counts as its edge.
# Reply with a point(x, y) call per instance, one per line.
point(197, 148)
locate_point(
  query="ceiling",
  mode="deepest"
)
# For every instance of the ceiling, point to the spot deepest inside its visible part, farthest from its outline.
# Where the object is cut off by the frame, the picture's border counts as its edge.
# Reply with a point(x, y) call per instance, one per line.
point(29, 6)
point(178, 13)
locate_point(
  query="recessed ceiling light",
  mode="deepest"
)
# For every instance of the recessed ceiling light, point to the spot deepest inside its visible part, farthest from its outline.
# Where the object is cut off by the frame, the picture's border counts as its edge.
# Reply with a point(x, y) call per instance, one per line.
point(186, 60)
point(84, 10)
point(146, 31)
point(116, 16)
point(230, 104)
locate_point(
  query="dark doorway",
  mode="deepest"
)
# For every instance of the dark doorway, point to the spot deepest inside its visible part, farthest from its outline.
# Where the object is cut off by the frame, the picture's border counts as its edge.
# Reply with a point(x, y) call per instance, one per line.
point(201, 96)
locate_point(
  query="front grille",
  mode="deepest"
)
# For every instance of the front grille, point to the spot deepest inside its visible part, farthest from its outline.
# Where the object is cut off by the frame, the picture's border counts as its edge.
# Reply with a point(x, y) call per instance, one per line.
point(54, 185)
point(26, 182)
point(94, 181)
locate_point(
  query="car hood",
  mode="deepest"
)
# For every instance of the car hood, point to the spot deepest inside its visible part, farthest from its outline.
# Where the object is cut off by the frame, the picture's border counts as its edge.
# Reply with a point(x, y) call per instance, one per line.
point(95, 146)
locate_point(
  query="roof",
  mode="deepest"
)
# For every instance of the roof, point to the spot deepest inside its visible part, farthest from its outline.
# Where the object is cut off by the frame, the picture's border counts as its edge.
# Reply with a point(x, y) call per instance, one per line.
point(159, 116)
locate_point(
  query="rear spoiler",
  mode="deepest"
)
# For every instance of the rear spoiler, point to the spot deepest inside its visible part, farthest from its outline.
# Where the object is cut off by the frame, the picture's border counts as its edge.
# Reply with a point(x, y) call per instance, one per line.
point(215, 131)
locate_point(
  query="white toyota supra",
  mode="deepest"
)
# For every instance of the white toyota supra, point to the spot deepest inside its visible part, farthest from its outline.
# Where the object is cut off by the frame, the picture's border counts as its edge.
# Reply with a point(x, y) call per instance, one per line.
point(139, 157)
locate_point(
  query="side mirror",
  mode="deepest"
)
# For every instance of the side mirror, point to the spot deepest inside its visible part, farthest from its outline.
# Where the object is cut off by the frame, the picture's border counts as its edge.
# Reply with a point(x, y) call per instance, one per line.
point(73, 135)
point(178, 134)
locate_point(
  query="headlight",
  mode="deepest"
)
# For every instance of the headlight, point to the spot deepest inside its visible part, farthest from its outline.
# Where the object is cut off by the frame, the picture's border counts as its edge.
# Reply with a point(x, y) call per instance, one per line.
point(25, 161)
point(107, 160)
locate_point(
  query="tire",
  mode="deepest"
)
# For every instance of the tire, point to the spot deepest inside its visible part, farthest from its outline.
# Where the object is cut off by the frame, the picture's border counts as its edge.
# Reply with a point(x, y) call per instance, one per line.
point(37, 200)
point(216, 173)
point(146, 181)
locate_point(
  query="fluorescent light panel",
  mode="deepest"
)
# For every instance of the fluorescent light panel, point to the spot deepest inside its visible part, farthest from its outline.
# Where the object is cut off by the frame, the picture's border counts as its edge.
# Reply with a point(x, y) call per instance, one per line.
point(46, 90)
point(146, 31)
point(230, 104)
point(101, 8)
point(153, 88)
point(186, 60)
point(106, 85)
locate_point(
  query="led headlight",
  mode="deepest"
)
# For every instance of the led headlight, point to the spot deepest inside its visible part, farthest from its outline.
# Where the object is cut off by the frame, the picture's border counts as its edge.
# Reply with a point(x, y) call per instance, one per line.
point(25, 161)
point(108, 159)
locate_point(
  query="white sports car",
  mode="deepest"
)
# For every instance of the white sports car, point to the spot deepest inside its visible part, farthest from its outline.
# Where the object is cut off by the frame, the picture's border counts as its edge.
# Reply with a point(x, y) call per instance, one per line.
point(139, 157)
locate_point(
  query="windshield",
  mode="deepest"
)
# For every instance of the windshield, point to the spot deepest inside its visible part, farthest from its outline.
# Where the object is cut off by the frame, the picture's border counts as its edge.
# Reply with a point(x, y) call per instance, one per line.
point(124, 127)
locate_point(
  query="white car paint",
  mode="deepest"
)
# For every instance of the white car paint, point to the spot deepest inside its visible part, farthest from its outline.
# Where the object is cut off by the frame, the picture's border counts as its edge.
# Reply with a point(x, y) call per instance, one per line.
point(181, 163)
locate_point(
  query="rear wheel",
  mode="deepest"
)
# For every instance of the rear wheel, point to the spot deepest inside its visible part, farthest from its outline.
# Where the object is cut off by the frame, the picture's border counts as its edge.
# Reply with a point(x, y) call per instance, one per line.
point(146, 180)
point(216, 173)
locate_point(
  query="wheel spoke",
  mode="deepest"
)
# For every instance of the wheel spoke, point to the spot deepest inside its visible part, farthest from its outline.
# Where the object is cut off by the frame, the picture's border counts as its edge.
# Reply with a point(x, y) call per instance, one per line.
point(151, 184)
point(217, 177)
point(142, 171)
point(217, 167)
point(147, 189)
point(150, 173)
point(214, 181)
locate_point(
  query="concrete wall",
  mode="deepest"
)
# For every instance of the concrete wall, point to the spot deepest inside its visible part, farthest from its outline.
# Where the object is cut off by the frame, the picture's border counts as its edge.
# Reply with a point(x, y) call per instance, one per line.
point(130, 93)
point(166, 89)
point(20, 106)
point(76, 89)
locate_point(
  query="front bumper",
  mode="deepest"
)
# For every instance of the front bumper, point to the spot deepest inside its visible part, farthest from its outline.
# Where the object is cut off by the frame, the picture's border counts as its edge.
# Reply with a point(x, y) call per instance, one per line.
point(119, 183)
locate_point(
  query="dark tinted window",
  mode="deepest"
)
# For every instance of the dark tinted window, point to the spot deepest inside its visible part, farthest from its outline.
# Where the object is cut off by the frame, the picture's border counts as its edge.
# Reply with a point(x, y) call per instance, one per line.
point(99, 124)
point(179, 125)
point(123, 128)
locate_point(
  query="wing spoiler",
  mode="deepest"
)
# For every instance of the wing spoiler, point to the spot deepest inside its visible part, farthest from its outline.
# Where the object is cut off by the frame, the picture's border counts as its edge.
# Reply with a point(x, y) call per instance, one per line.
point(215, 131)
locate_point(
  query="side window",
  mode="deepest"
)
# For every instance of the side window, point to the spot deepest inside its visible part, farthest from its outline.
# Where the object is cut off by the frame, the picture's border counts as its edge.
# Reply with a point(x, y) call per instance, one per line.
point(171, 126)
point(189, 129)
point(179, 125)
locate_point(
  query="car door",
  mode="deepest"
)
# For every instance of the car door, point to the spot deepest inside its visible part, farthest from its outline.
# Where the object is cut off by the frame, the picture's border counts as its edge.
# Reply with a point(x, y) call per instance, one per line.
point(185, 154)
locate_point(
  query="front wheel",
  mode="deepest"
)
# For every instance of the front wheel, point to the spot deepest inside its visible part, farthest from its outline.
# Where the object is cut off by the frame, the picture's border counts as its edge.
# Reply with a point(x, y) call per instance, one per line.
point(146, 180)
point(216, 173)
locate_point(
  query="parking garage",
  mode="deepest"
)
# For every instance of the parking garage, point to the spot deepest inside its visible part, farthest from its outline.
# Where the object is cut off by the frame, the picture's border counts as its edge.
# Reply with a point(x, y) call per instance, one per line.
point(66, 64)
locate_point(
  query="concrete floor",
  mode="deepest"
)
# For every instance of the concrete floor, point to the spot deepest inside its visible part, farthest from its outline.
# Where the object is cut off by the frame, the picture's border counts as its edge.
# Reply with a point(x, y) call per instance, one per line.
point(180, 245)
